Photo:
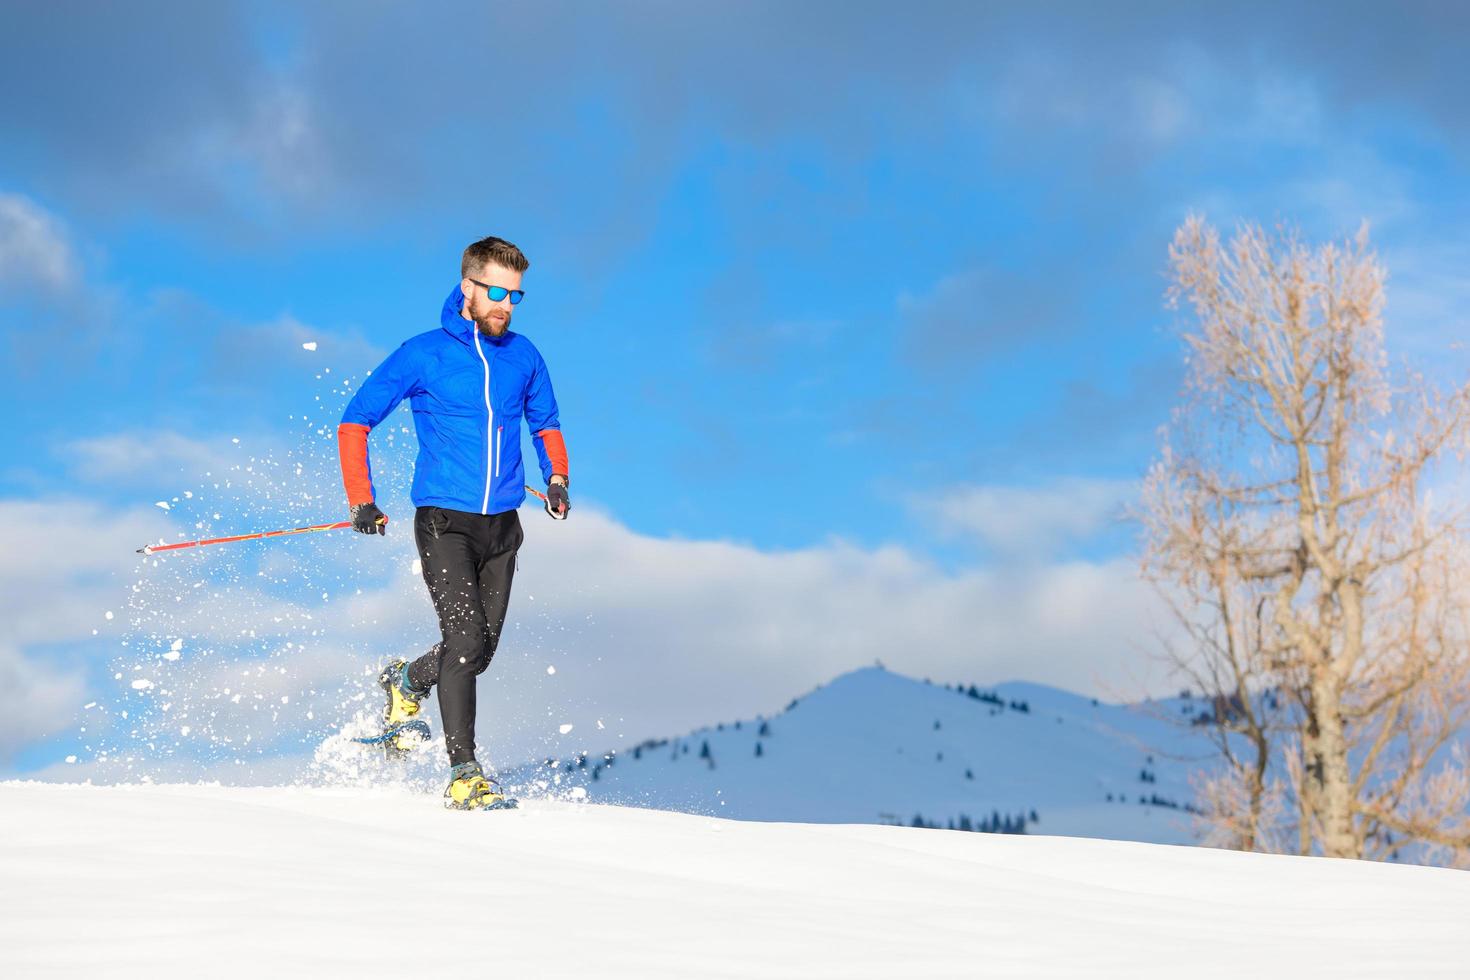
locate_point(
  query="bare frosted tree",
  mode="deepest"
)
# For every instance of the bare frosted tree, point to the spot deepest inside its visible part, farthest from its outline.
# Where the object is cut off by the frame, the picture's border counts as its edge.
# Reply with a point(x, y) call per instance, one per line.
point(1321, 590)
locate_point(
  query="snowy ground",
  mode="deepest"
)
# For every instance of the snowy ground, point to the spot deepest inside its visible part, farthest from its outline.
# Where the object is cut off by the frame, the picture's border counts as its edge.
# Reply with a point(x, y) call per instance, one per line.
point(165, 881)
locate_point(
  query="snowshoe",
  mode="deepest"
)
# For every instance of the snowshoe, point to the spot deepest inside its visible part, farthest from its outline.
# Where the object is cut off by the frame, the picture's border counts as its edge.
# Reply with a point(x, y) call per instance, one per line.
point(470, 789)
point(398, 738)
point(404, 731)
point(403, 700)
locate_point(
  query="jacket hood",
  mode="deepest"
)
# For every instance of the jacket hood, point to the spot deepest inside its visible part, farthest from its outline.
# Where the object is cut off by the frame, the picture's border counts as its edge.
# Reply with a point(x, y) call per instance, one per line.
point(457, 326)
point(449, 317)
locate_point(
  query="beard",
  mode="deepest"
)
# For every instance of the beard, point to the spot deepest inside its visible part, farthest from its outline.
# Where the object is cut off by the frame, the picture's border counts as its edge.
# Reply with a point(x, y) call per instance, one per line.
point(492, 325)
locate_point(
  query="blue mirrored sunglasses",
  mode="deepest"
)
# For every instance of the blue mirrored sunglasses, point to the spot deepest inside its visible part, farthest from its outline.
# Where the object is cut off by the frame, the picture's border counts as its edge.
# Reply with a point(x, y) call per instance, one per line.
point(498, 293)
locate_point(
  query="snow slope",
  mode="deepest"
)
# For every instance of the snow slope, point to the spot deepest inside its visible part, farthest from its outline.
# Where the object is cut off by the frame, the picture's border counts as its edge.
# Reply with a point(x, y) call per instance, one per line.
point(188, 881)
point(873, 746)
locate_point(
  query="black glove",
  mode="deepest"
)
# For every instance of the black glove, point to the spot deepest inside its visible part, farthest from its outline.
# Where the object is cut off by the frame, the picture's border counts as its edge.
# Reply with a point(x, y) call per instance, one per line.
point(557, 501)
point(367, 519)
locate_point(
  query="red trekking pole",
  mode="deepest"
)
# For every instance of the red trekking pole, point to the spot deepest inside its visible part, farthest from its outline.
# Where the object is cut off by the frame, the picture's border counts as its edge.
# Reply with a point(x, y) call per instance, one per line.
point(155, 548)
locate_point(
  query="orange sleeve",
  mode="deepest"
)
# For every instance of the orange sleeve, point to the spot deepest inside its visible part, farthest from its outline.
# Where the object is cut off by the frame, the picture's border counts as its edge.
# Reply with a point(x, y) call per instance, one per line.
point(556, 451)
point(352, 453)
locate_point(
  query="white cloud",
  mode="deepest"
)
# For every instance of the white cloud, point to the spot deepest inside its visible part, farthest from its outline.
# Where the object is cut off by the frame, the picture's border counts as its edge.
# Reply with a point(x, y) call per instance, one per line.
point(283, 139)
point(63, 560)
point(1016, 522)
point(34, 250)
point(1143, 109)
point(124, 456)
point(36, 699)
point(653, 635)
point(1428, 300)
point(57, 583)
point(1160, 111)
point(689, 631)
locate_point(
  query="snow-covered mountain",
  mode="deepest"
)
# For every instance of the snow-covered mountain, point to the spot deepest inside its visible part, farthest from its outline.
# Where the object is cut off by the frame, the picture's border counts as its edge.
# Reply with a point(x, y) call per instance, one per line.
point(209, 881)
point(873, 746)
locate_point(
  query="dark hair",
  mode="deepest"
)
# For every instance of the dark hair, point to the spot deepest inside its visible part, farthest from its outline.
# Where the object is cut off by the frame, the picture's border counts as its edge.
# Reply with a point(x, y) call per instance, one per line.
point(492, 249)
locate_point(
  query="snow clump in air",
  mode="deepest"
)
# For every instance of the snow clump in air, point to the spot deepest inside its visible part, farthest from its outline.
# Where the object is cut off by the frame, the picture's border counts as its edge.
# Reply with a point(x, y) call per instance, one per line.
point(267, 675)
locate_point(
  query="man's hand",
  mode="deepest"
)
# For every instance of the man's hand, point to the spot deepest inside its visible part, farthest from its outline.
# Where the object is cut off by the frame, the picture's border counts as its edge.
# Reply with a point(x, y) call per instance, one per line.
point(367, 519)
point(557, 501)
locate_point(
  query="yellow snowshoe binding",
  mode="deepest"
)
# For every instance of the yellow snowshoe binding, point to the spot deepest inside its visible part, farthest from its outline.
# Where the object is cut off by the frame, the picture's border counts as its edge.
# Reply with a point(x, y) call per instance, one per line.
point(401, 708)
point(470, 789)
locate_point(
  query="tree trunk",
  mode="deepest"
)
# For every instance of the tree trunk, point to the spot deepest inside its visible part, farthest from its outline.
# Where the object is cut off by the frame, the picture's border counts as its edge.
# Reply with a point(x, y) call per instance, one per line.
point(1329, 760)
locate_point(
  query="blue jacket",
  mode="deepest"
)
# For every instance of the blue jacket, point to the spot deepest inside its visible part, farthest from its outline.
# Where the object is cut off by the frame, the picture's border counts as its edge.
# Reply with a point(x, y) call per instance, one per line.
point(469, 393)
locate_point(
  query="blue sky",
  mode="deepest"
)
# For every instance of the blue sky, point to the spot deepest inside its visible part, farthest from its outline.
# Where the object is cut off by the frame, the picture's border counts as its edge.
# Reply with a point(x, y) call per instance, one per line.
point(834, 286)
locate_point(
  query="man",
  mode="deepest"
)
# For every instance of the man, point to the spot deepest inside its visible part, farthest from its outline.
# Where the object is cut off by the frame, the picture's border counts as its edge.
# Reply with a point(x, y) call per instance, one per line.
point(470, 383)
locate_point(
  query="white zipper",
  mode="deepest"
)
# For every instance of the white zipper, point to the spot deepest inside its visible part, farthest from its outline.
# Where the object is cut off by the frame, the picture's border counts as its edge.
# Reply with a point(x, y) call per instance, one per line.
point(499, 439)
point(490, 465)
